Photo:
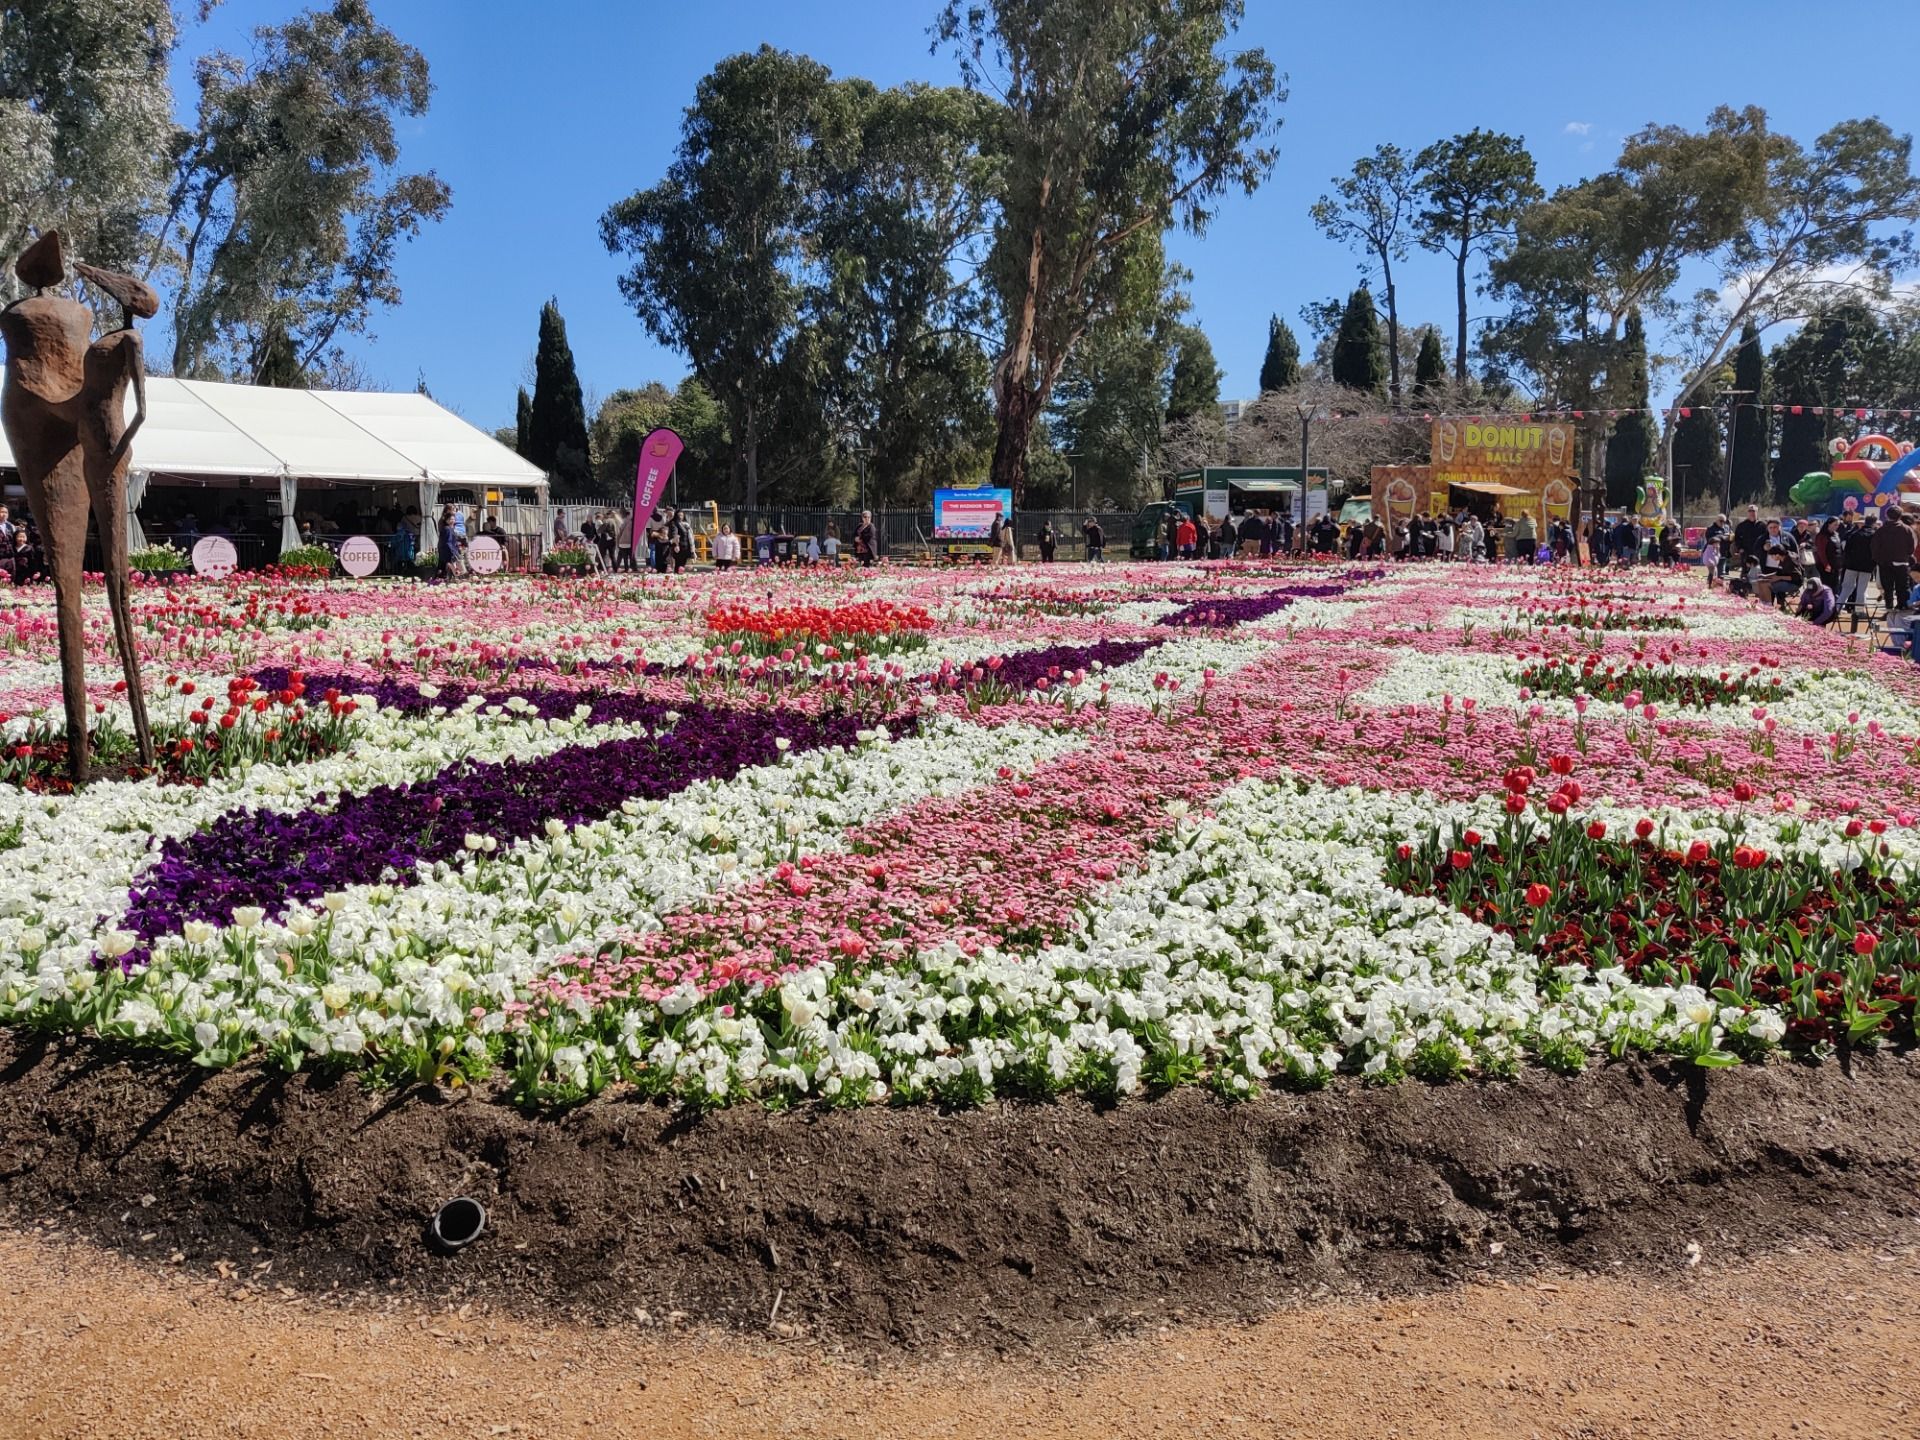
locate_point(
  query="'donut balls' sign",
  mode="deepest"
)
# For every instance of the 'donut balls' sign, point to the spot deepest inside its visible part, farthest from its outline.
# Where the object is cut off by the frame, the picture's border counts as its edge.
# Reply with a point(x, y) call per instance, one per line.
point(359, 556)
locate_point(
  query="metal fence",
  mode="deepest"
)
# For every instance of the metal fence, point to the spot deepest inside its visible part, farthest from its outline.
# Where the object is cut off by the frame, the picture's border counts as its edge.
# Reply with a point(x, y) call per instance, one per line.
point(910, 532)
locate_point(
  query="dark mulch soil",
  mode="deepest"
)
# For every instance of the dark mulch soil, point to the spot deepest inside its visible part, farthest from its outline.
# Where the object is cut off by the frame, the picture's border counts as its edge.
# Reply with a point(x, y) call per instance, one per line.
point(997, 1227)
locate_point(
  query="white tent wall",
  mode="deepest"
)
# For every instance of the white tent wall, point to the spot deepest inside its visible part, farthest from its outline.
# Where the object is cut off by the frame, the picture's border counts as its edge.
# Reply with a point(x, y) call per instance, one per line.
point(199, 430)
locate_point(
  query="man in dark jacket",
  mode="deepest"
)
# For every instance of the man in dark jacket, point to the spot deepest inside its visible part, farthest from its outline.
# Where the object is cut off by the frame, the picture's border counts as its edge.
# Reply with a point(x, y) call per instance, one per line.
point(1750, 536)
point(1893, 553)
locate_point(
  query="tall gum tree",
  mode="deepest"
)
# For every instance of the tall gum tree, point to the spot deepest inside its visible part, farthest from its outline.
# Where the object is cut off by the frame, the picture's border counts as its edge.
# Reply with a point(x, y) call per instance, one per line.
point(1371, 209)
point(1121, 119)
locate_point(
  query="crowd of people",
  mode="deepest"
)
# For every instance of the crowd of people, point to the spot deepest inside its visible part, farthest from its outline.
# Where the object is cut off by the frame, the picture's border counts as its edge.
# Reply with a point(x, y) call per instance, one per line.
point(21, 557)
point(1836, 571)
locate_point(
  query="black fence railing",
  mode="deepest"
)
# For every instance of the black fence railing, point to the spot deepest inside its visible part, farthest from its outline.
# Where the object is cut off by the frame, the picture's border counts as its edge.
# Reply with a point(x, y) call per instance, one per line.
point(910, 532)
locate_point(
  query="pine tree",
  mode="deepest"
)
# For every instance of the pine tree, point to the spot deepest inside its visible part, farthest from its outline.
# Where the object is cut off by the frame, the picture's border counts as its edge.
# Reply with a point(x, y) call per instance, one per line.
point(557, 418)
point(1195, 387)
point(1748, 462)
point(1430, 365)
point(1630, 447)
point(522, 419)
point(1281, 368)
point(1359, 362)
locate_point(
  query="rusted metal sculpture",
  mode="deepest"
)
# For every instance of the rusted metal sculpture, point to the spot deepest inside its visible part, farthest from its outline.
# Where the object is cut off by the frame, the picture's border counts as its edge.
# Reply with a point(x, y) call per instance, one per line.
point(64, 411)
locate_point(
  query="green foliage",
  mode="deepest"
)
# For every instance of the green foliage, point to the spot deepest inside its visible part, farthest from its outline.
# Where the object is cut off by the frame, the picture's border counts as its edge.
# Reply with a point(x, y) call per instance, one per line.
point(1630, 446)
point(308, 560)
point(1699, 464)
point(1195, 387)
point(1430, 365)
point(557, 416)
point(1119, 119)
point(285, 205)
point(1357, 361)
point(1280, 369)
point(1111, 401)
point(1371, 210)
point(160, 559)
point(522, 421)
point(626, 417)
point(1841, 356)
point(84, 107)
point(719, 245)
point(1747, 464)
point(1471, 189)
point(902, 216)
point(568, 560)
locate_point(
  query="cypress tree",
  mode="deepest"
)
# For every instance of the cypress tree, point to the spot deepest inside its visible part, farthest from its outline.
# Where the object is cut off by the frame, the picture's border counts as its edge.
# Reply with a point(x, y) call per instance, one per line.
point(1358, 360)
point(522, 419)
point(1747, 465)
point(279, 365)
point(1430, 366)
point(1281, 368)
point(1195, 387)
point(1630, 446)
point(557, 418)
point(1697, 456)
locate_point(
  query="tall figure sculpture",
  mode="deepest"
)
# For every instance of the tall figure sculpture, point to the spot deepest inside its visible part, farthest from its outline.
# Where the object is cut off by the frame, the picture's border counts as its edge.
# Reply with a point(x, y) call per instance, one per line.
point(63, 408)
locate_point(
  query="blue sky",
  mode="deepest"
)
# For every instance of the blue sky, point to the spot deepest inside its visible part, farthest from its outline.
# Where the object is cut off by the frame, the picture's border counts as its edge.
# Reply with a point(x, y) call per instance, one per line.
point(539, 121)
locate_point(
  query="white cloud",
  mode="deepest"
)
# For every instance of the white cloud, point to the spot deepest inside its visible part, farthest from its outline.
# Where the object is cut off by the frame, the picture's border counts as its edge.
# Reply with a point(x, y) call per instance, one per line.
point(1578, 127)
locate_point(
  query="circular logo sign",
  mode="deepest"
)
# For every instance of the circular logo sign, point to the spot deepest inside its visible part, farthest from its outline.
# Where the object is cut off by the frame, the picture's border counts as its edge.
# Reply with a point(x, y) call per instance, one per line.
point(359, 556)
point(485, 555)
point(215, 557)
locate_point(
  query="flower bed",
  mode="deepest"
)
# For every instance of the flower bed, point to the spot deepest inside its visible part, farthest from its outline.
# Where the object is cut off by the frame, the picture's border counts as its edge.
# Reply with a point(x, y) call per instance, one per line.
point(895, 836)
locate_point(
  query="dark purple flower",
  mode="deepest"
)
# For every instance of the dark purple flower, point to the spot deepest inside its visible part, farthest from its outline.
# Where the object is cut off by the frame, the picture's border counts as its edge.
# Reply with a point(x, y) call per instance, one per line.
point(254, 857)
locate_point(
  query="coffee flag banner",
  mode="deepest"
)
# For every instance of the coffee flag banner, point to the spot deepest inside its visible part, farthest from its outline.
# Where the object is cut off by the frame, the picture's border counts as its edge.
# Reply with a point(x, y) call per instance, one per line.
point(659, 453)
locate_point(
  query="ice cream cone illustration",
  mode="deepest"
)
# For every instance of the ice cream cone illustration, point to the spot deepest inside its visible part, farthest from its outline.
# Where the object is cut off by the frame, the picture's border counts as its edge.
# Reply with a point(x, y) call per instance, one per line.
point(1556, 445)
point(1445, 440)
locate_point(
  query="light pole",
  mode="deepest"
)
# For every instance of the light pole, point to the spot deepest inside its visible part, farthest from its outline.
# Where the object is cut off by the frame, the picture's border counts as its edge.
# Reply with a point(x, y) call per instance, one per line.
point(1733, 434)
point(1308, 414)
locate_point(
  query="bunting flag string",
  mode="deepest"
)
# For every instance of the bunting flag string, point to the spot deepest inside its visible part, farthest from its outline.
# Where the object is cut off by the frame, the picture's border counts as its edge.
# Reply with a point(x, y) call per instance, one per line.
point(1868, 414)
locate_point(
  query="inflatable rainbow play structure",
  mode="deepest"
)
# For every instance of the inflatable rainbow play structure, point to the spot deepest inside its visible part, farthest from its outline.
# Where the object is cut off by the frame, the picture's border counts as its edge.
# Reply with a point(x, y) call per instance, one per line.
point(1872, 470)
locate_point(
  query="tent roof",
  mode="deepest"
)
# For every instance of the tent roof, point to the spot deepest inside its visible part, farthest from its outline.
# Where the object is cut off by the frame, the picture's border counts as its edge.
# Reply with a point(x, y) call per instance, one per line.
point(199, 427)
point(1487, 487)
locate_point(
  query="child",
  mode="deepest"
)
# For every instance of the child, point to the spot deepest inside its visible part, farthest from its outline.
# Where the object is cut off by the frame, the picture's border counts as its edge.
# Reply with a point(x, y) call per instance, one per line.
point(1710, 558)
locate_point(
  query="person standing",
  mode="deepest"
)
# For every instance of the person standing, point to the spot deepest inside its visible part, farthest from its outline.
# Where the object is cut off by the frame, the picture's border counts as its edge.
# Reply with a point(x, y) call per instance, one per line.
point(1893, 553)
point(450, 545)
point(1009, 545)
point(1048, 543)
point(1856, 565)
point(994, 532)
point(1096, 539)
point(1750, 537)
point(866, 547)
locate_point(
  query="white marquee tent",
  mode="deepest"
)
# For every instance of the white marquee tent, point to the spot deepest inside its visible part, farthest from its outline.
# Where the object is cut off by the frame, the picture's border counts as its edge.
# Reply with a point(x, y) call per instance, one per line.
point(200, 430)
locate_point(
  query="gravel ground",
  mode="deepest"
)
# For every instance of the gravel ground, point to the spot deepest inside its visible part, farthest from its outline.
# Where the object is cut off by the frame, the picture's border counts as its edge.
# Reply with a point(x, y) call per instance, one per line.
point(1807, 1342)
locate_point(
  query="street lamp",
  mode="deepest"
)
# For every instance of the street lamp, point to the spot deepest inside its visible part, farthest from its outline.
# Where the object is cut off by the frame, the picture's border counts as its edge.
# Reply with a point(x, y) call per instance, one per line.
point(1308, 414)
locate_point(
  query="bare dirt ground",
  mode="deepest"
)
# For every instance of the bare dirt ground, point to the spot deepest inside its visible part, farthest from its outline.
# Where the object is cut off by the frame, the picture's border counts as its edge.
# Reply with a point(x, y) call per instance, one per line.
point(1808, 1342)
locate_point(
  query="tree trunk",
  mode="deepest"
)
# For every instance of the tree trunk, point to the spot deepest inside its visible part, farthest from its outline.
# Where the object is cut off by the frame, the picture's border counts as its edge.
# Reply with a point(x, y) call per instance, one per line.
point(1460, 296)
point(1019, 408)
point(1393, 334)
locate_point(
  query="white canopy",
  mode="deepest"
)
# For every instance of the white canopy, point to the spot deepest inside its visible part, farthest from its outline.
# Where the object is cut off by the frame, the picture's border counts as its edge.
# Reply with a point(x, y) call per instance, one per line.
point(200, 428)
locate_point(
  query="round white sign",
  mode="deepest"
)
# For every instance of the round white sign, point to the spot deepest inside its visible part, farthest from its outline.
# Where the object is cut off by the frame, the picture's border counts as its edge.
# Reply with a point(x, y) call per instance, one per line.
point(359, 556)
point(215, 557)
point(485, 555)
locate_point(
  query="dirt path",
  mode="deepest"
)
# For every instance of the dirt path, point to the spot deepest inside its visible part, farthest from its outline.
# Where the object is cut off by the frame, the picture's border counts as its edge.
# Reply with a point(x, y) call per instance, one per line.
point(1809, 1344)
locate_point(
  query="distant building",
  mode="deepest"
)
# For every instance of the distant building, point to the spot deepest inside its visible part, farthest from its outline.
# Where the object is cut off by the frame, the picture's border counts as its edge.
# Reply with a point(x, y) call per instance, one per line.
point(1232, 410)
